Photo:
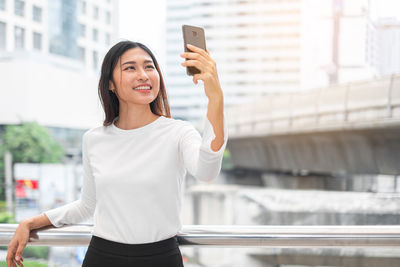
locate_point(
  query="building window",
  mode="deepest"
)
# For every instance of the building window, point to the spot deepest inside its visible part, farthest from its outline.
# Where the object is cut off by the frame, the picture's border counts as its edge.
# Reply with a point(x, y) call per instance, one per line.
point(81, 54)
point(95, 60)
point(108, 17)
point(19, 38)
point(83, 7)
point(107, 39)
point(19, 7)
point(2, 4)
point(37, 41)
point(82, 30)
point(37, 13)
point(2, 36)
point(95, 35)
point(95, 12)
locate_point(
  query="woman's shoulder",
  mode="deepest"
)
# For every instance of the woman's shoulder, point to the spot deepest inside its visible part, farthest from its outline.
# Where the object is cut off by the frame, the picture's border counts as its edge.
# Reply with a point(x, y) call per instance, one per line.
point(97, 130)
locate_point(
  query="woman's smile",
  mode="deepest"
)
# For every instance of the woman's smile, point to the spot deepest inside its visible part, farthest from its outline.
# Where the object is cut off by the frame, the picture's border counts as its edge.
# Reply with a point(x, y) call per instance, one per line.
point(143, 88)
point(143, 91)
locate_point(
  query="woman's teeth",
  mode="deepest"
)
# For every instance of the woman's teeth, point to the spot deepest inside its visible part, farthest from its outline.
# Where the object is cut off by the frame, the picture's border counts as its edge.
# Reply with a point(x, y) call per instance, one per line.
point(142, 88)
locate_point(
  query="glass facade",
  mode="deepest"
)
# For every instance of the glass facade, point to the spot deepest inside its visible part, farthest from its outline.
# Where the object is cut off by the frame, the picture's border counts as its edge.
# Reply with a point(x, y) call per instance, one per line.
point(19, 38)
point(95, 12)
point(95, 60)
point(2, 4)
point(108, 17)
point(64, 32)
point(82, 7)
point(37, 14)
point(95, 35)
point(19, 7)
point(81, 54)
point(82, 30)
point(3, 36)
point(37, 41)
point(107, 39)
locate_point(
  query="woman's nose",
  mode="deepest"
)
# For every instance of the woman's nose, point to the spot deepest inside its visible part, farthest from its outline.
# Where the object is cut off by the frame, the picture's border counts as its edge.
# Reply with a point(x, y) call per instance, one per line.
point(142, 74)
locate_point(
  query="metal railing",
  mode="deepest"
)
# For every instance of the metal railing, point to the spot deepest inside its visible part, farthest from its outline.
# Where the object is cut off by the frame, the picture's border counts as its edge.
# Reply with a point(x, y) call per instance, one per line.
point(234, 236)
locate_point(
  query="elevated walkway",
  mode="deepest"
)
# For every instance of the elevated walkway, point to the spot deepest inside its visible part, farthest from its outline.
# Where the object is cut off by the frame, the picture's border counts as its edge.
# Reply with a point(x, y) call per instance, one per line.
point(351, 128)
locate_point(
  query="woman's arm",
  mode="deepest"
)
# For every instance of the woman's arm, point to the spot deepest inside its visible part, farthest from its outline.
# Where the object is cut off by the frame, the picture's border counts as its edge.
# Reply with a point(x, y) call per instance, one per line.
point(215, 115)
point(202, 156)
point(37, 221)
point(201, 59)
point(21, 238)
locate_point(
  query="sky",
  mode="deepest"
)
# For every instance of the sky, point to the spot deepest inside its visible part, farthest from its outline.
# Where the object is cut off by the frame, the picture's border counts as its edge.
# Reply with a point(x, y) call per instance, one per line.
point(385, 8)
point(144, 21)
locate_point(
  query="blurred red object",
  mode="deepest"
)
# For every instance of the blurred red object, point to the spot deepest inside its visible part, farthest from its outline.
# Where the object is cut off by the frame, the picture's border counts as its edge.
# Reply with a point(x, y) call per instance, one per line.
point(22, 184)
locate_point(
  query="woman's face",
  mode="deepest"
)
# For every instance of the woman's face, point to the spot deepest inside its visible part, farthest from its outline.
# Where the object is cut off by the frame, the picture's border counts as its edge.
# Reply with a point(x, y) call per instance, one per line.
point(134, 74)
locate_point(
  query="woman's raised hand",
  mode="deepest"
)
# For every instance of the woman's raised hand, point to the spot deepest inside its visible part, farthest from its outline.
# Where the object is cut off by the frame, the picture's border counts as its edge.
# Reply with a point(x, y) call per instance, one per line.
point(17, 245)
point(201, 59)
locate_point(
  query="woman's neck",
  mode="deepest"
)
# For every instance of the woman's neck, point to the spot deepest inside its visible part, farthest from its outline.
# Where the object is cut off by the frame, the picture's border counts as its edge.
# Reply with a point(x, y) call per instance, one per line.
point(135, 118)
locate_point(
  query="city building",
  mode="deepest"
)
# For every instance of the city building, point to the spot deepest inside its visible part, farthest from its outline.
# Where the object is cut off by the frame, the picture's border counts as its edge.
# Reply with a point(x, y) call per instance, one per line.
point(50, 56)
point(383, 50)
point(256, 45)
point(276, 46)
point(75, 29)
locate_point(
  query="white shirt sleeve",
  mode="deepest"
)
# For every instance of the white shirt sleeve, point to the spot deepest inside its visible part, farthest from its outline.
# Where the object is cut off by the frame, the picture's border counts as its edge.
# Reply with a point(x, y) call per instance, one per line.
point(83, 208)
point(198, 157)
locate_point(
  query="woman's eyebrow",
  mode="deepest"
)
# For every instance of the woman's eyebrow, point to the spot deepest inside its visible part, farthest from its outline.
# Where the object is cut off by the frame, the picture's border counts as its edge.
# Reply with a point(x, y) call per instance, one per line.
point(134, 62)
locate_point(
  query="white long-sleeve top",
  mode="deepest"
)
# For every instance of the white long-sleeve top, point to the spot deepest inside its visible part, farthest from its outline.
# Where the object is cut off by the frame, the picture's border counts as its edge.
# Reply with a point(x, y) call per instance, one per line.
point(132, 179)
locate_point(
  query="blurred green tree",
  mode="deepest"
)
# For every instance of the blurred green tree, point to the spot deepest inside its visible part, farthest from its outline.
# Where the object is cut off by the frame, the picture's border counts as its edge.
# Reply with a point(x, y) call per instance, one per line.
point(27, 263)
point(28, 142)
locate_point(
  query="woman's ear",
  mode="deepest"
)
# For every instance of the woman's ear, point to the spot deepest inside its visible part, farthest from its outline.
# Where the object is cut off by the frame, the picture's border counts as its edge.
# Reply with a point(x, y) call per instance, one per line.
point(111, 86)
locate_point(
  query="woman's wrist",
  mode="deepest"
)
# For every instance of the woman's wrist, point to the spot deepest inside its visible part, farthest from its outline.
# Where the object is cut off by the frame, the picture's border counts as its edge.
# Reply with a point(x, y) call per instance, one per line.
point(217, 98)
point(27, 223)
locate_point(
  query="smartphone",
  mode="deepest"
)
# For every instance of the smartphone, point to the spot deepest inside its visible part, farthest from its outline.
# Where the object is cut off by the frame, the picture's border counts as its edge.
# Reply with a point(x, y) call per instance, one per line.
point(195, 36)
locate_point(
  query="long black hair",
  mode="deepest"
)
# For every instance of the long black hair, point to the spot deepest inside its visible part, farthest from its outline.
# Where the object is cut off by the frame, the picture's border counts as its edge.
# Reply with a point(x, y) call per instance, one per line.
point(109, 100)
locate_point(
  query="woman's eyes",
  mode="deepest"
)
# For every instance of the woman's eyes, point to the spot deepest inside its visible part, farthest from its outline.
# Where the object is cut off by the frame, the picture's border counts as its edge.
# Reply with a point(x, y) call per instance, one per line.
point(131, 67)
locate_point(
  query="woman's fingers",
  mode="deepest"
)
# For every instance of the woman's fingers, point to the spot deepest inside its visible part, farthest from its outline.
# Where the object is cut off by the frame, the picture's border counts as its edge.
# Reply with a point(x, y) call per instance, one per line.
point(17, 246)
point(196, 77)
point(194, 56)
point(201, 56)
point(192, 63)
point(197, 50)
point(11, 254)
point(204, 69)
point(19, 264)
point(18, 254)
point(197, 53)
point(201, 60)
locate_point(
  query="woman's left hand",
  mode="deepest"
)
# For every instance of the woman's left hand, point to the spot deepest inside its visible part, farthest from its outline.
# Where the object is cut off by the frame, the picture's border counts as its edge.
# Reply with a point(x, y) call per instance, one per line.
point(201, 59)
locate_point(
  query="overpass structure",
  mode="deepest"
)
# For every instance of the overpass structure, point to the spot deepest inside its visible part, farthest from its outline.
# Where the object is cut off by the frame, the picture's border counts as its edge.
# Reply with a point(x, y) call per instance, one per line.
point(352, 128)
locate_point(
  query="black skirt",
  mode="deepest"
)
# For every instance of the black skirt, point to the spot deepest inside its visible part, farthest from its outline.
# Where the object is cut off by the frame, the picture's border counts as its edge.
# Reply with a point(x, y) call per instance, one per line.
point(105, 253)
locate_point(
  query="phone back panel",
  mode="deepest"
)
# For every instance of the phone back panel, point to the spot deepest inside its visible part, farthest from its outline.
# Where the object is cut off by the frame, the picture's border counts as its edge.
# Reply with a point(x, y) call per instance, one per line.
point(194, 36)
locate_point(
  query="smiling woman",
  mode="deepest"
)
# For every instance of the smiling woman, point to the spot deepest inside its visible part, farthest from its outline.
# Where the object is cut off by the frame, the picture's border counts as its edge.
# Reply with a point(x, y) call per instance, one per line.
point(130, 66)
point(134, 165)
